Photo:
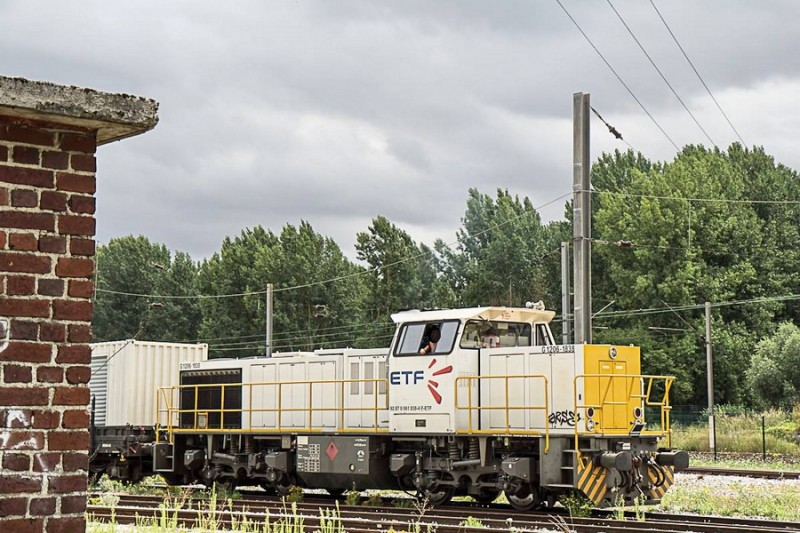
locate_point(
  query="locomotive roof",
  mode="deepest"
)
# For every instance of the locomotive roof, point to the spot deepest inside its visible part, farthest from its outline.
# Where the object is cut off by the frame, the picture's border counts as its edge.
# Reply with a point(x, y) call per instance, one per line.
point(510, 314)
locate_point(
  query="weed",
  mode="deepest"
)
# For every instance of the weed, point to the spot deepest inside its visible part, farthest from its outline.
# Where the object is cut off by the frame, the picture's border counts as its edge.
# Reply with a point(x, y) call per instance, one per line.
point(352, 497)
point(470, 521)
point(374, 499)
point(295, 494)
point(577, 504)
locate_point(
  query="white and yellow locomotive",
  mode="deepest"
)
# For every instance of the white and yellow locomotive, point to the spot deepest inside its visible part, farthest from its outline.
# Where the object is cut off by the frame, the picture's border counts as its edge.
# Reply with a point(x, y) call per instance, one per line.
point(471, 401)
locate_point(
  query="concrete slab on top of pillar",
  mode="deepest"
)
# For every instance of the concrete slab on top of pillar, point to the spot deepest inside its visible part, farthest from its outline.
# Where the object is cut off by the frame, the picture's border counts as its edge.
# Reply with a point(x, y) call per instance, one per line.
point(113, 116)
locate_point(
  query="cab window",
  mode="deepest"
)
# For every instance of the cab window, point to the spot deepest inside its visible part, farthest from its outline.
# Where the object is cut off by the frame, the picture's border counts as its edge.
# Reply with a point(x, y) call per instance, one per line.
point(417, 339)
point(493, 334)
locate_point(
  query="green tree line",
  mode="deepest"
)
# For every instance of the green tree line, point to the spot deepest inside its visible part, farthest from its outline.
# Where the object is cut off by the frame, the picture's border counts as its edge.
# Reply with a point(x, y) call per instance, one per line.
point(710, 225)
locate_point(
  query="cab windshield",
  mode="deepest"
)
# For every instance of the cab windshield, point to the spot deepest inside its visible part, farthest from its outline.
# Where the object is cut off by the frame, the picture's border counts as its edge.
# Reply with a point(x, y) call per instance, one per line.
point(417, 339)
point(494, 334)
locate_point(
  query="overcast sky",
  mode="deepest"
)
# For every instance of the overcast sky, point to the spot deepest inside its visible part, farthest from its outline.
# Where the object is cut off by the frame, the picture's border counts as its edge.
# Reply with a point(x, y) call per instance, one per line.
point(272, 112)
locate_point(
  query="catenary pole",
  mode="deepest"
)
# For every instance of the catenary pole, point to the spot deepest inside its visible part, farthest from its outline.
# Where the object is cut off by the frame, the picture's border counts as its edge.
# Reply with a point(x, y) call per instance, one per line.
point(268, 325)
point(565, 290)
point(581, 220)
point(710, 370)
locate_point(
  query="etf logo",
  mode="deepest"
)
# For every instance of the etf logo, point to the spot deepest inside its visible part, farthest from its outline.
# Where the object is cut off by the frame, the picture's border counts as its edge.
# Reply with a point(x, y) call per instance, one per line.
point(412, 377)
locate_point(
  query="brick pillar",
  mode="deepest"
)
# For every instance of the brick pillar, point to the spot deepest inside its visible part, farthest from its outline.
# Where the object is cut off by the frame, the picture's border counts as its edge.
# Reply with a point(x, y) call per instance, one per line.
point(48, 138)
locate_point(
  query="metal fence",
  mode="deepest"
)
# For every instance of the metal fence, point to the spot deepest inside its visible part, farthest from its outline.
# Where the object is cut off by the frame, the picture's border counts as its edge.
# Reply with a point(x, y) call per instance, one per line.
point(736, 432)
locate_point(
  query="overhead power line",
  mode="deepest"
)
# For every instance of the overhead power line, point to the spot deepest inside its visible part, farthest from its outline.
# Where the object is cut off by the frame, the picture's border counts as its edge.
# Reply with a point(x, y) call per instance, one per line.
point(698, 74)
point(611, 129)
point(671, 88)
point(411, 257)
point(630, 91)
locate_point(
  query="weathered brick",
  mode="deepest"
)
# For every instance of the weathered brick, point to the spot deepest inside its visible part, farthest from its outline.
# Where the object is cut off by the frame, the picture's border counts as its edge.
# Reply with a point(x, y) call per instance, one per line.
point(16, 461)
point(49, 374)
point(3, 153)
point(82, 204)
point(68, 267)
point(53, 201)
point(19, 262)
point(78, 246)
point(20, 285)
point(13, 506)
point(55, 160)
point(75, 142)
point(23, 396)
point(27, 135)
point(16, 418)
point(71, 396)
point(17, 374)
point(69, 483)
point(72, 504)
point(75, 461)
point(68, 440)
point(2, 239)
point(22, 440)
point(52, 332)
point(75, 182)
point(46, 419)
point(80, 289)
point(25, 155)
point(75, 354)
point(26, 525)
point(24, 307)
point(27, 352)
point(52, 245)
point(24, 330)
point(23, 242)
point(77, 375)
point(10, 485)
point(35, 177)
point(46, 462)
point(27, 220)
point(43, 506)
point(66, 524)
point(50, 287)
point(75, 225)
point(78, 419)
point(83, 162)
point(24, 198)
point(79, 333)
point(72, 310)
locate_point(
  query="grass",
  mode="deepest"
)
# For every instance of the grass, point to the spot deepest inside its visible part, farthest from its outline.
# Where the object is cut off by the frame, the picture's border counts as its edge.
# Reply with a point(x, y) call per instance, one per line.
point(777, 500)
point(742, 433)
point(754, 463)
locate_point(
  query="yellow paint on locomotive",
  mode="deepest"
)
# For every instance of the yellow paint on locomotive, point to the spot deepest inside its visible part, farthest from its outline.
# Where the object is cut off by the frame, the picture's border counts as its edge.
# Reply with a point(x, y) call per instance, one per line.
point(612, 387)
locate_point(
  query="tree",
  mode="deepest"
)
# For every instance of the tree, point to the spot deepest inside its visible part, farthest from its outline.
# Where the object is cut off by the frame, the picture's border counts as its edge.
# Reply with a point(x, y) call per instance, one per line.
point(500, 249)
point(774, 372)
point(134, 265)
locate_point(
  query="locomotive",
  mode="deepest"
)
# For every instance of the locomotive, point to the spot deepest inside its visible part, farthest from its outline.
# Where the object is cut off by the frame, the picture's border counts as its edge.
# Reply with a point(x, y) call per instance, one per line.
point(474, 401)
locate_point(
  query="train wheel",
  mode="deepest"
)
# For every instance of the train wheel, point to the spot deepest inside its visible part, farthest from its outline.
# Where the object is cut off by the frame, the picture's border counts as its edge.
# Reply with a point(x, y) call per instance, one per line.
point(525, 499)
point(486, 496)
point(440, 496)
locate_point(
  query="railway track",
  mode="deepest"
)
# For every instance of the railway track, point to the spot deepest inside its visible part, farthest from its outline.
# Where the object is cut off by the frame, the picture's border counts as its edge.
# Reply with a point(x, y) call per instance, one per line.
point(761, 474)
point(315, 515)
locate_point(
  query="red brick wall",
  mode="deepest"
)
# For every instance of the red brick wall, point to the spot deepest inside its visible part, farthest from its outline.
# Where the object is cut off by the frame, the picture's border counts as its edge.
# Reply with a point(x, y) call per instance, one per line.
point(47, 185)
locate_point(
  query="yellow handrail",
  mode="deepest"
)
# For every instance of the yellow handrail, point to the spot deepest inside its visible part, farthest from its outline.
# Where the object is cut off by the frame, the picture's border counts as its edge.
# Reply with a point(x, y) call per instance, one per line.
point(633, 392)
point(172, 411)
point(506, 407)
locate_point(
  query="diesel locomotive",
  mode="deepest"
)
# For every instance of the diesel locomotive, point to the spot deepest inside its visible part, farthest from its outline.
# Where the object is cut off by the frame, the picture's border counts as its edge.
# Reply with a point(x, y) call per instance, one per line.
point(473, 401)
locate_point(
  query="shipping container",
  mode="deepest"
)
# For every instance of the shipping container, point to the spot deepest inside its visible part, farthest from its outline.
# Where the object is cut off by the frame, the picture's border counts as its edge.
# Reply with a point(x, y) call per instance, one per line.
point(127, 374)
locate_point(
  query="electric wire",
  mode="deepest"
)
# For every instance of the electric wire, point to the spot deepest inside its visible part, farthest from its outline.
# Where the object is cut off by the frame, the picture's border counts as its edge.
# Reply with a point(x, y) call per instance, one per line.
point(630, 91)
point(698, 74)
point(331, 280)
point(671, 88)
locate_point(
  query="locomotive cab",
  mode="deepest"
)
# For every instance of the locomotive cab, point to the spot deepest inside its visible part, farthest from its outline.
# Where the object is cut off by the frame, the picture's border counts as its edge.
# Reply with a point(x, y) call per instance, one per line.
point(434, 385)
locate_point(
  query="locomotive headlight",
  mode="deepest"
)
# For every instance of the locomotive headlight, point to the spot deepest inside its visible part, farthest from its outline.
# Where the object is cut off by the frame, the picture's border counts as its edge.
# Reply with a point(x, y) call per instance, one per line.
point(590, 412)
point(637, 413)
point(202, 420)
point(590, 425)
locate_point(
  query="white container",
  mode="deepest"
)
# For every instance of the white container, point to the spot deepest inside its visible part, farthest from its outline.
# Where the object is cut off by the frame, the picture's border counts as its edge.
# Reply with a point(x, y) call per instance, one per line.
point(127, 374)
